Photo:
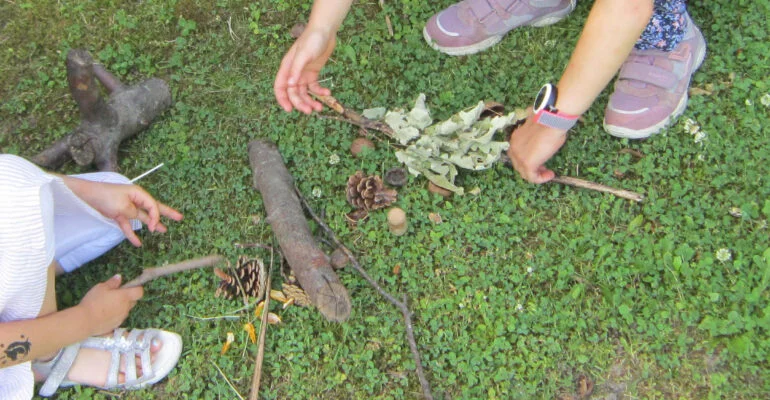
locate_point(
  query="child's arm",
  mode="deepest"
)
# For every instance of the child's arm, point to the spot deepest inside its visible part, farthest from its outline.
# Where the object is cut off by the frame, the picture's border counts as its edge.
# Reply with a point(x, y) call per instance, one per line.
point(123, 203)
point(609, 35)
point(298, 74)
point(103, 309)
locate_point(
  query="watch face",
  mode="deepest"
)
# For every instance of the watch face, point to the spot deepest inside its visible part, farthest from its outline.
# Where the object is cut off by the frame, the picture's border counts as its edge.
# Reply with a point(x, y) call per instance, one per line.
point(545, 97)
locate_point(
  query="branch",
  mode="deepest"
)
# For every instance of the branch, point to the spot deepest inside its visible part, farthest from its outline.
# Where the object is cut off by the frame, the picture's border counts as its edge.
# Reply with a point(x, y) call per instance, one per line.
point(359, 120)
point(582, 183)
point(257, 377)
point(401, 305)
point(152, 273)
point(356, 118)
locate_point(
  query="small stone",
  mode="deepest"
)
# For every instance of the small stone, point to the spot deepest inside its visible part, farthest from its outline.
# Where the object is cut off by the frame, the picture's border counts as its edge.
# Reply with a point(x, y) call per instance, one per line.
point(397, 221)
point(297, 29)
point(433, 188)
point(359, 144)
point(339, 259)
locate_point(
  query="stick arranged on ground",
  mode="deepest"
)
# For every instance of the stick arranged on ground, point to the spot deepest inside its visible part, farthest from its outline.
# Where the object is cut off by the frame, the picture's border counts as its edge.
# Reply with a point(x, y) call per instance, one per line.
point(401, 305)
point(104, 124)
point(152, 273)
point(284, 213)
point(357, 119)
point(257, 377)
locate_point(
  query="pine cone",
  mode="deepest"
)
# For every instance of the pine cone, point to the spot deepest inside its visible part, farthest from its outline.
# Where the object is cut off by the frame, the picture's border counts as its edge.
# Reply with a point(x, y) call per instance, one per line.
point(368, 192)
point(297, 293)
point(292, 289)
point(249, 277)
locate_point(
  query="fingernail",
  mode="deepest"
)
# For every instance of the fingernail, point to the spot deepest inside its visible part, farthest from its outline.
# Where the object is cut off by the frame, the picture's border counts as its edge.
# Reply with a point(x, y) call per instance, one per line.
point(116, 276)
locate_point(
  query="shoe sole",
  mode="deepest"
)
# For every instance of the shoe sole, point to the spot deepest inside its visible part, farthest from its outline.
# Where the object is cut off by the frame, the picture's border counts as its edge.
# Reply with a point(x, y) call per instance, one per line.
point(546, 20)
point(627, 133)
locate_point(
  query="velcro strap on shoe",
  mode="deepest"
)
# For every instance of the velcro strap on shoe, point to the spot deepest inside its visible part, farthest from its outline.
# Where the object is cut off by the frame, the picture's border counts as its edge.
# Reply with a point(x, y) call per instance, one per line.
point(649, 74)
point(60, 369)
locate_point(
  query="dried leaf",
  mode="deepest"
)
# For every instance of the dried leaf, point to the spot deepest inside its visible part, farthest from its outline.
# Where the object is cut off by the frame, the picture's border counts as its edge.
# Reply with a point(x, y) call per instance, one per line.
point(374, 113)
point(228, 342)
point(273, 319)
point(249, 327)
point(258, 310)
point(278, 295)
point(396, 269)
point(435, 218)
point(288, 303)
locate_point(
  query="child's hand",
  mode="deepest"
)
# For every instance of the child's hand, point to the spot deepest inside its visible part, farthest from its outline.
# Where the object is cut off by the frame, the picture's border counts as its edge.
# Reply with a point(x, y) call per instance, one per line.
point(531, 145)
point(123, 203)
point(107, 305)
point(298, 74)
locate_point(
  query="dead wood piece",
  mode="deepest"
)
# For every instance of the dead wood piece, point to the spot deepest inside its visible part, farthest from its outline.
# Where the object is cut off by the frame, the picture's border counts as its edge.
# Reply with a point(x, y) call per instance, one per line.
point(104, 123)
point(284, 213)
point(152, 273)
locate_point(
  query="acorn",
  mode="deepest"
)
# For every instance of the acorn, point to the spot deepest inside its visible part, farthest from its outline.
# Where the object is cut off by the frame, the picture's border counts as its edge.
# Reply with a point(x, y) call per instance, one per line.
point(397, 221)
point(359, 144)
point(433, 188)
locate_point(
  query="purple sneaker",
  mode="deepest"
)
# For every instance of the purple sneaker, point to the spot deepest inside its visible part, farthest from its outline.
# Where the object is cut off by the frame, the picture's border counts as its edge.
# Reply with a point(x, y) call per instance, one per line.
point(651, 89)
point(470, 26)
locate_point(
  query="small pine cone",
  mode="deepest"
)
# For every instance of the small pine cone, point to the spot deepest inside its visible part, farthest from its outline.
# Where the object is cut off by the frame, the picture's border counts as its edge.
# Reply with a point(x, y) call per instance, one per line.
point(294, 291)
point(249, 277)
point(368, 192)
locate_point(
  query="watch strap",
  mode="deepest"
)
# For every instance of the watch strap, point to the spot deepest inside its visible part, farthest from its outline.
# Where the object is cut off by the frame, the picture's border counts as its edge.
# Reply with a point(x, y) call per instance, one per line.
point(556, 120)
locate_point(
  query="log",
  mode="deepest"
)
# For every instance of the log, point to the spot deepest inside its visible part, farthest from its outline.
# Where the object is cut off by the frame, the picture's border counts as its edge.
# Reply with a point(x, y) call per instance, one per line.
point(104, 124)
point(285, 215)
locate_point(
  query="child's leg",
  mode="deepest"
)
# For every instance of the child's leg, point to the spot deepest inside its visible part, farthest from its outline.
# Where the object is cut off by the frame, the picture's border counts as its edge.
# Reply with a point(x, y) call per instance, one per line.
point(80, 238)
point(667, 26)
point(651, 89)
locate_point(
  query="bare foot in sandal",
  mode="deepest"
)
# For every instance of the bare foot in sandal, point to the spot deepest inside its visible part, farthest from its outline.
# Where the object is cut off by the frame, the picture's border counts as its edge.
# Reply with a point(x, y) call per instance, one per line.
point(102, 361)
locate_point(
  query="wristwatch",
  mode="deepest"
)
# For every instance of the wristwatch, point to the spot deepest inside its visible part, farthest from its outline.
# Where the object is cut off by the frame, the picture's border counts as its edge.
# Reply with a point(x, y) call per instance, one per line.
point(546, 113)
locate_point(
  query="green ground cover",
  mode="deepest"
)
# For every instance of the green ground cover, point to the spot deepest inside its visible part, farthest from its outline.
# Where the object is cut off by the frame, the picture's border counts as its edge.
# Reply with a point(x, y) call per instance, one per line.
point(520, 291)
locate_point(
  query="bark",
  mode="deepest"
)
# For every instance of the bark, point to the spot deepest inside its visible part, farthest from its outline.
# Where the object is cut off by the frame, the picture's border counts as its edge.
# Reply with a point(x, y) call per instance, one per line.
point(104, 123)
point(284, 213)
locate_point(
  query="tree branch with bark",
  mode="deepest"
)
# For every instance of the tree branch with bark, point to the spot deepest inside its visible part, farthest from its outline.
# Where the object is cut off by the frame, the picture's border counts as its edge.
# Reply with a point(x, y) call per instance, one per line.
point(104, 123)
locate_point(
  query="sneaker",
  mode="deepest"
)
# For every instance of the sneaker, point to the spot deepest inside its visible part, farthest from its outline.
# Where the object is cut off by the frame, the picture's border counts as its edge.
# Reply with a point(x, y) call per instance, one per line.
point(470, 26)
point(651, 89)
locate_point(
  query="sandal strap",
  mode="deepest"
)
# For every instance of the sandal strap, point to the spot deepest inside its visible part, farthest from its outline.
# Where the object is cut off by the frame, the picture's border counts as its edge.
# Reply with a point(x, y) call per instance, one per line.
point(129, 347)
point(119, 346)
point(61, 366)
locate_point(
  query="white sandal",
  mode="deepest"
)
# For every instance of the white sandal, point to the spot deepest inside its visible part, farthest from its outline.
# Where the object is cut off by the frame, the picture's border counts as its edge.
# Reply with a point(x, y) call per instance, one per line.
point(119, 345)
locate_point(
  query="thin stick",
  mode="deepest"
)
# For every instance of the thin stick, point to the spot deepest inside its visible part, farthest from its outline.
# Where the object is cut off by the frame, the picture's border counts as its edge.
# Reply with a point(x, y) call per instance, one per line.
point(387, 18)
point(582, 183)
point(354, 117)
point(366, 123)
point(401, 305)
point(155, 168)
point(152, 273)
point(227, 380)
point(255, 380)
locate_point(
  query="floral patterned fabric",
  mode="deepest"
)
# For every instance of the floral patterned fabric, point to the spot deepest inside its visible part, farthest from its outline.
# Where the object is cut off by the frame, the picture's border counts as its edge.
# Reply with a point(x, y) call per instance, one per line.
point(667, 26)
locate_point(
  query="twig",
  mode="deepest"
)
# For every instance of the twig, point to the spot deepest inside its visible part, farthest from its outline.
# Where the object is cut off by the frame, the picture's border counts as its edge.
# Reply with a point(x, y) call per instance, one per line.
point(356, 118)
point(359, 120)
point(582, 183)
point(401, 305)
point(225, 317)
point(227, 380)
point(152, 273)
point(255, 380)
point(387, 19)
point(153, 169)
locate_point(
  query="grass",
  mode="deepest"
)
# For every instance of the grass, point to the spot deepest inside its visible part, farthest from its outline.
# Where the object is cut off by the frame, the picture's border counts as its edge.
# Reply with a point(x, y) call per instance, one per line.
point(520, 291)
